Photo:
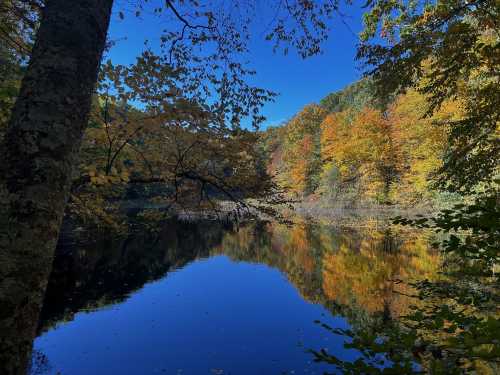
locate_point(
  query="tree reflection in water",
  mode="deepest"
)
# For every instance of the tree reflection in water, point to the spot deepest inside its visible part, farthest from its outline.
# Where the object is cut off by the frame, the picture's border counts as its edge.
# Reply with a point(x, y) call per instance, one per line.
point(351, 272)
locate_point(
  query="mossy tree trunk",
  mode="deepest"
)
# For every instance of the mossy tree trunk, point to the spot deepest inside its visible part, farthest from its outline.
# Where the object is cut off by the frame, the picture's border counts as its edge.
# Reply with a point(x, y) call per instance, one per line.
point(40, 153)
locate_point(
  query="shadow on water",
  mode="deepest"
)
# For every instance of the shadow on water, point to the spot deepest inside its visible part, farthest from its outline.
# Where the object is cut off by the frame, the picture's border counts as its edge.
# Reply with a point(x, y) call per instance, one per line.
point(342, 276)
point(92, 273)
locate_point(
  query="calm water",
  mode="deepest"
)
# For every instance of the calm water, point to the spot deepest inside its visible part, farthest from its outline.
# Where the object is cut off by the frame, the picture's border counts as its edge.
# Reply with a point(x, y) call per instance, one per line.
point(202, 298)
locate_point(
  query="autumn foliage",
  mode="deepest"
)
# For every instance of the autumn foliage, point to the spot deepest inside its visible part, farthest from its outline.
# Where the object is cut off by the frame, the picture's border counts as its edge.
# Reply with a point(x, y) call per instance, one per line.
point(363, 153)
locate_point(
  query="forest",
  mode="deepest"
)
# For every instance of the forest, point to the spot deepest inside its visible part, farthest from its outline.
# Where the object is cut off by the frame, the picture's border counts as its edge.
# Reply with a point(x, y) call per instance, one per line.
point(91, 145)
point(348, 151)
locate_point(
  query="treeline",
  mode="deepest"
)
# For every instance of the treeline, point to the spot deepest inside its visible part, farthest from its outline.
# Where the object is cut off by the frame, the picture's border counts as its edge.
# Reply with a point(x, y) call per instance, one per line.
point(354, 149)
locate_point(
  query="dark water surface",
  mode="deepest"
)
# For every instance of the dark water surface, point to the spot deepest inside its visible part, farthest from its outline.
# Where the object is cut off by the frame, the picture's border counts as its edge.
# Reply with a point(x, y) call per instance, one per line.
point(203, 298)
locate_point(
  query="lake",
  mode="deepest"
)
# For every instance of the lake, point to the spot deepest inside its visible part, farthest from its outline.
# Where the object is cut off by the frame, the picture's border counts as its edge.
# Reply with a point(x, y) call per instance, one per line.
point(210, 298)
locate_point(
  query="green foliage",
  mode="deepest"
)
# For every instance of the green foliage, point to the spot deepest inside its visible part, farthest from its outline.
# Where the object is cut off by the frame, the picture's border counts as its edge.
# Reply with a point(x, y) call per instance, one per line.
point(372, 351)
point(301, 150)
point(453, 328)
point(447, 50)
point(474, 231)
point(355, 96)
point(18, 19)
point(330, 181)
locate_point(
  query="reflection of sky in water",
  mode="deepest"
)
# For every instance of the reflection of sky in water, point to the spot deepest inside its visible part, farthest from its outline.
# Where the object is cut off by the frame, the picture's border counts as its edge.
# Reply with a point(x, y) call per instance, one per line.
point(214, 316)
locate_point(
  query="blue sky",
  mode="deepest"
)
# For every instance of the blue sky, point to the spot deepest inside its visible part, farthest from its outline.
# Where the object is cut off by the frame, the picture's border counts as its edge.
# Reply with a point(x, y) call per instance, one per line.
point(297, 81)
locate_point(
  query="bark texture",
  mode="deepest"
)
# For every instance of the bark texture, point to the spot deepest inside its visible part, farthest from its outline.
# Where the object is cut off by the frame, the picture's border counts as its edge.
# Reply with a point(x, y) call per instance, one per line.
point(40, 152)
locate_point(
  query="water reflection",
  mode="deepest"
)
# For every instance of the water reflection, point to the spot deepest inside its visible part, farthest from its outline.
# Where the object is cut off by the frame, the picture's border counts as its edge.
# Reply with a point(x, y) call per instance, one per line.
point(354, 267)
point(90, 273)
point(231, 313)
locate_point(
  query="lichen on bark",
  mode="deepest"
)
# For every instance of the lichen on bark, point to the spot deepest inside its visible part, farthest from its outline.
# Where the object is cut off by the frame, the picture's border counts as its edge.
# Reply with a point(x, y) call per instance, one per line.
point(39, 153)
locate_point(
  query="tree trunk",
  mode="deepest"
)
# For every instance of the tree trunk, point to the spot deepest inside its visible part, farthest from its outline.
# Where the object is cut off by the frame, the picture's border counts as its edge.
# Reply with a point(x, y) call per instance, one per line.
point(40, 153)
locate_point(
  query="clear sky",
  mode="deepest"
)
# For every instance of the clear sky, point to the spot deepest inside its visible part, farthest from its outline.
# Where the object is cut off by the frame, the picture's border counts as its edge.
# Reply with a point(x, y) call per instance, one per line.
point(297, 81)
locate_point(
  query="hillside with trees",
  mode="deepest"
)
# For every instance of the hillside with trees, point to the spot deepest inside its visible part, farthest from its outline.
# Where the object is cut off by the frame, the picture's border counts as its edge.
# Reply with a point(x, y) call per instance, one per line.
point(352, 150)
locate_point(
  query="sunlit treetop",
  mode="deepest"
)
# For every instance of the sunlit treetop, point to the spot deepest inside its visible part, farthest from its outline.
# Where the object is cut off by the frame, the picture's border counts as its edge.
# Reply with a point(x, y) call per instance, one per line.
point(448, 50)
